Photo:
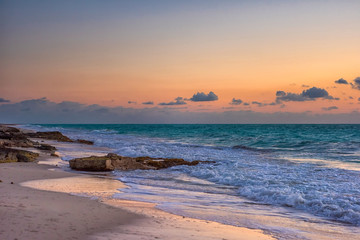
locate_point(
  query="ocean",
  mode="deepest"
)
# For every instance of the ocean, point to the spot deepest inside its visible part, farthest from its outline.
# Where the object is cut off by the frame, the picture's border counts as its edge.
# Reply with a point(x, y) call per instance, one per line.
point(293, 181)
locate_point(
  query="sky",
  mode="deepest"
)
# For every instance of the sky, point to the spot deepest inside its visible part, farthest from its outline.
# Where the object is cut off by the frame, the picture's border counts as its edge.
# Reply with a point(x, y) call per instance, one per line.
point(179, 61)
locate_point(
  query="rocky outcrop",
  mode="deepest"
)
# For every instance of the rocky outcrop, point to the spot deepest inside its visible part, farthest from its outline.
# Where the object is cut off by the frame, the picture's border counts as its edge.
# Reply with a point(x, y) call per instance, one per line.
point(6, 128)
point(85, 141)
point(92, 163)
point(15, 155)
point(13, 137)
point(46, 147)
point(55, 135)
point(113, 161)
point(58, 136)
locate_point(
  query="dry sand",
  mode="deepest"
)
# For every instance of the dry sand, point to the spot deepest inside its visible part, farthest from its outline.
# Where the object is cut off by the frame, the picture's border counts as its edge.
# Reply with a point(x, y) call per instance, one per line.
point(38, 206)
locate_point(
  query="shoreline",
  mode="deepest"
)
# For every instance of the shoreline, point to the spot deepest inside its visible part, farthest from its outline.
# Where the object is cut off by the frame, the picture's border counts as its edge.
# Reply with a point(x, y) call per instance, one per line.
point(56, 214)
point(28, 213)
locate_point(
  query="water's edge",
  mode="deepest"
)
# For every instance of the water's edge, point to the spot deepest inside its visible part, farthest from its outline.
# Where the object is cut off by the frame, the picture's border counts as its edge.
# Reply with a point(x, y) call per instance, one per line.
point(211, 192)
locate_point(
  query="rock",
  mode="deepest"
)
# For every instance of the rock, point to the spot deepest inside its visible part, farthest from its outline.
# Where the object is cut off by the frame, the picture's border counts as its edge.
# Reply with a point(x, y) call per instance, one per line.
point(129, 163)
point(17, 143)
point(113, 161)
point(171, 162)
point(16, 155)
point(5, 128)
point(46, 147)
point(12, 137)
point(85, 141)
point(113, 156)
point(54, 155)
point(56, 135)
point(92, 163)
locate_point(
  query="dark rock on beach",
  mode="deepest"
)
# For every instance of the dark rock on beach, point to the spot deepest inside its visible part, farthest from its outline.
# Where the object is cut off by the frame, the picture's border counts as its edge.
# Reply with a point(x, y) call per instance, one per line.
point(58, 136)
point(46, 147)
point(92, 163)
point(13, 137)
point(9, 129)
point(113, 161)
point(85, 141)
point(16, 155)
point(55, 135)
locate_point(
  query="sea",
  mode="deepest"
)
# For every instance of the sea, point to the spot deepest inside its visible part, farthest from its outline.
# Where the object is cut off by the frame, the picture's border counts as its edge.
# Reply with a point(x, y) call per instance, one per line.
point(296, 181)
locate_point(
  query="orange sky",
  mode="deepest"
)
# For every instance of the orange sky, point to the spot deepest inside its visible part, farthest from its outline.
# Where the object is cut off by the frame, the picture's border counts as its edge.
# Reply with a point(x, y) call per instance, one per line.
point(240, 50)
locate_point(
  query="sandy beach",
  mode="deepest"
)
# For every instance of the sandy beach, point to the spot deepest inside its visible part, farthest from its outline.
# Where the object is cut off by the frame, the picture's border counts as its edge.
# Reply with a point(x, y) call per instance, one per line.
point(35, 203)
point(33, 214)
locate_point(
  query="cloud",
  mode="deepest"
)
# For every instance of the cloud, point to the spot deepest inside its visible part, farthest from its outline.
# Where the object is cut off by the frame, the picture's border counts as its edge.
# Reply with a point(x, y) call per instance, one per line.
point(315, 92)
point(280, 94)
point(174, 108)
point(258, 103)
point(310, 94)
point(246, 104)
point(131, 102)
point(236, 101)
point(178, 101)
point(45, 111)
point(305, 86)
point(102, 110)
point(356, 84)
point(202, 97)
point(359, 99)
point(330, 108)
point(148, 103)
point(341, 81)
point(2, 100)
point(39, 103)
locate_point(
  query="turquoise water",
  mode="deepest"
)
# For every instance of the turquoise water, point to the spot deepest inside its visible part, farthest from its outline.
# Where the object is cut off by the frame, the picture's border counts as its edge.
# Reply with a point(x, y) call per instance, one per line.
point(310, 173)
point(327, 142)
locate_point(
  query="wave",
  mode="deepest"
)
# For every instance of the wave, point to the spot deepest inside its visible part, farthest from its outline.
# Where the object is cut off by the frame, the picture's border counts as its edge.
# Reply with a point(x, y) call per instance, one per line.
point(248, 148)
point(326, 190)
point(340, 209)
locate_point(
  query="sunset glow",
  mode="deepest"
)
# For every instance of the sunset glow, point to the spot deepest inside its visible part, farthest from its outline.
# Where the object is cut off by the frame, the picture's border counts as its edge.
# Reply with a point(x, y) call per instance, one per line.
point(118, 52)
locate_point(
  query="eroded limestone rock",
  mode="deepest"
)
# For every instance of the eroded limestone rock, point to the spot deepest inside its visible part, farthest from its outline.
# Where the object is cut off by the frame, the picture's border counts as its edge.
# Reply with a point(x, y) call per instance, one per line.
point(55, 135)
point(113, 161)
point(92, 163)
point(16, 155)
point(85, 141)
